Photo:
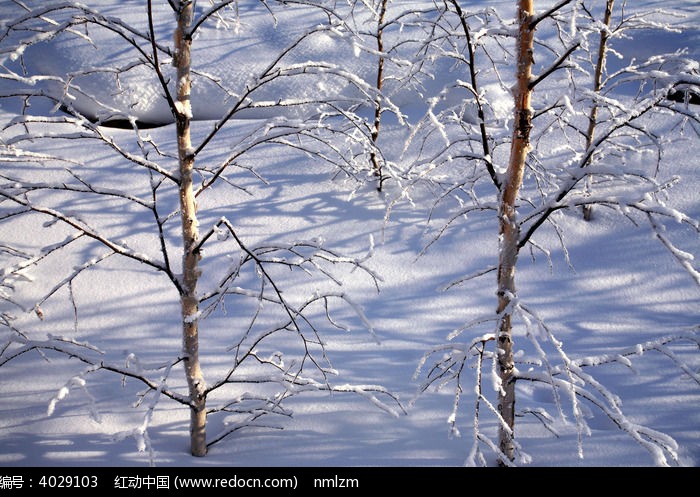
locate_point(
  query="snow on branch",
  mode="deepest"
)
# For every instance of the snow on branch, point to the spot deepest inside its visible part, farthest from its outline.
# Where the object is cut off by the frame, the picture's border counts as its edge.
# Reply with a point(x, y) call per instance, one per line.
point(684, 258)
point(117, 247)
point(584, 385)
point(370, 392)
point(563, 375)
point(18, 345)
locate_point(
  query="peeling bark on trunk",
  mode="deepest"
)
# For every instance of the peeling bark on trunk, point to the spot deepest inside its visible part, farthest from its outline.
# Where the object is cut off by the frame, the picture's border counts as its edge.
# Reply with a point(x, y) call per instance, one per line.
point(190, 235)
point(509, 227)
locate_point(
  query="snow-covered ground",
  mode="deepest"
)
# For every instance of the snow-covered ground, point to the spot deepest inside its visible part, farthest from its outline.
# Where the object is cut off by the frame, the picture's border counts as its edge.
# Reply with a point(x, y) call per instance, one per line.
point(615, 287)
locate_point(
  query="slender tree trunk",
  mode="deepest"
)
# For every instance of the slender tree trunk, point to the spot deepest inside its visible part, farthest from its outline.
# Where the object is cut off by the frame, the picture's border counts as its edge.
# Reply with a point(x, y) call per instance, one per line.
point(377, 104)
point(509, 227)
point(597, 85)
point(190, 234)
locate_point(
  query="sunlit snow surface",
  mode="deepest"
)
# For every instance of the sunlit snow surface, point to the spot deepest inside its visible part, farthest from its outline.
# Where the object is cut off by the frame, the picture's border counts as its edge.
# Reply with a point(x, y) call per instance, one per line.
point(619, 287)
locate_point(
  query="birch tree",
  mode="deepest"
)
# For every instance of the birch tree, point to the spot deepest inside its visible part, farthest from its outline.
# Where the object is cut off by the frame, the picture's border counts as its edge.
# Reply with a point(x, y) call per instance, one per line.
point(530, 189)
point(598, 82)
point(77, 114)
point(380, 32)
point(509, 232)
point(380, 82)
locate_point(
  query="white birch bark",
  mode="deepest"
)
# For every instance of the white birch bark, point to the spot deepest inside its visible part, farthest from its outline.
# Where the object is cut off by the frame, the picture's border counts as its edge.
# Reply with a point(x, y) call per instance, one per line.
point(509, 227)
point(190, 235)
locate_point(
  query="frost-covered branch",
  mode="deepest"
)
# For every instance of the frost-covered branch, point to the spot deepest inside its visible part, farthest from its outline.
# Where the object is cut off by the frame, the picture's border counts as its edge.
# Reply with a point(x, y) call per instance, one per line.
point(84, 229)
